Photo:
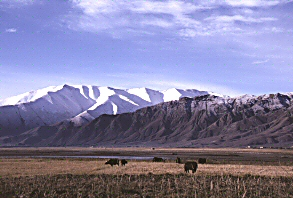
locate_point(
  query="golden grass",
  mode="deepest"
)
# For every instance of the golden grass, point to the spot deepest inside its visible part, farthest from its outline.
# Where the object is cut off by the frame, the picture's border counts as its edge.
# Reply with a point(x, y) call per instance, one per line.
point(146, 185)
point(32, 167)
point(92, 178)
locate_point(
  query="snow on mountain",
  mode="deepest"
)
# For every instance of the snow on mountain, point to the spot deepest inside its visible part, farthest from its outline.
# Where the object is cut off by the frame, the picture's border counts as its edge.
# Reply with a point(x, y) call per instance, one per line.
point(175, 94)
point(29, 96)
point(40, 108)
point(79, 103)
point(117, 101)
point(268, 101)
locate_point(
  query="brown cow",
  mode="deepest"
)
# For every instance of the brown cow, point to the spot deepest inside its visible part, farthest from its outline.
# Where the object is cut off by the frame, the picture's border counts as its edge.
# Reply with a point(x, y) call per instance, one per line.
point(123, 162)
point(202, 160)
point(190, 166)
point(113, 162)
point(158, 159)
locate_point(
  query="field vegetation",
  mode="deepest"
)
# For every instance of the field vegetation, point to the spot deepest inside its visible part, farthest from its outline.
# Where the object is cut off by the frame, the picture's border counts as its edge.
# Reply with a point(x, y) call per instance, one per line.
point(32, 167)
point(146, 185)
point(64, 177)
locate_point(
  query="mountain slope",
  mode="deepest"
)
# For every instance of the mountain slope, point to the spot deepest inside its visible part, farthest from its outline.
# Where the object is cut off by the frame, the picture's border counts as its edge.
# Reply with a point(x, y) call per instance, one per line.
point(41, 108)
point(81, 104)
point(204, 121)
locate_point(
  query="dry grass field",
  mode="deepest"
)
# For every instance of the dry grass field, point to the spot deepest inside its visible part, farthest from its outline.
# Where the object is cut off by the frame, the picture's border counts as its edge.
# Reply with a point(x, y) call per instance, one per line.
point(245, 176)
point(32, 167)
point(146, 185)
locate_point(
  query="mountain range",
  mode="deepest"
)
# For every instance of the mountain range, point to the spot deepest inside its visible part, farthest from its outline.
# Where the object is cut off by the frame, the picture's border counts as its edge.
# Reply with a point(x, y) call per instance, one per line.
point(103, 116)
point(79, 104)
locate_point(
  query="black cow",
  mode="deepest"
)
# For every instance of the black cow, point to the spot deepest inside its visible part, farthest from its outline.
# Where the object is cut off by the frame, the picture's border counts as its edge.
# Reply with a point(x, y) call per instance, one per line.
point(190, 166)
point(123, 162)
point(202, 160)
point(113, 162)
point(178, 160)
point(158, 159)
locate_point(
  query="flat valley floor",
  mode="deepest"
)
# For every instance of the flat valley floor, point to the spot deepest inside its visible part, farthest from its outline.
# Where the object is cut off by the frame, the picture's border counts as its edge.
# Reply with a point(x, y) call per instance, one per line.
point(227, 173)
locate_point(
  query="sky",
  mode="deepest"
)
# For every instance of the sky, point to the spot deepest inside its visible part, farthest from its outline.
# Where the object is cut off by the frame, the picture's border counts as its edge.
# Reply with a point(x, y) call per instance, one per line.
point(231, 47)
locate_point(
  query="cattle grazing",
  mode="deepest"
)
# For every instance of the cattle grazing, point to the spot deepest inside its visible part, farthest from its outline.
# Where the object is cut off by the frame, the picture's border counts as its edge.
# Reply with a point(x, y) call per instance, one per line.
point(113, 162)
point(123, 162)
point(202, 160)
point(158, 159)
point(178, 160)
point(190, 166)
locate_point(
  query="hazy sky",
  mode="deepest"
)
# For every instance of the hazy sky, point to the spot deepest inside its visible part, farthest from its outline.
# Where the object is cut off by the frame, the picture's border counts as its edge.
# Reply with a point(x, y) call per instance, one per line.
point(231, 47)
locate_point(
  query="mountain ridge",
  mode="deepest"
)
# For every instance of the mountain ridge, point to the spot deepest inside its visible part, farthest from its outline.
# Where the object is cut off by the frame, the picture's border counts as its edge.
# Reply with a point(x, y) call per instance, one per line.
point(80, 103)
point(203, 121)
point(103, 116)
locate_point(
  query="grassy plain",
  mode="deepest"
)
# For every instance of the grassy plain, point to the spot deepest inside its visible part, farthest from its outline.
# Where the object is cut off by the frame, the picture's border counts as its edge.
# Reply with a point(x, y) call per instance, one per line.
point(219, 156)
point(32, 167)
point(250, 173)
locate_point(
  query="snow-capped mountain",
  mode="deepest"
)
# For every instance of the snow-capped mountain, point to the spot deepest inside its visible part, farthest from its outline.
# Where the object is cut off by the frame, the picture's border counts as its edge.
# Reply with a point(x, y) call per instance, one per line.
point(72, 115)
point(80, 103)
point(203, 121)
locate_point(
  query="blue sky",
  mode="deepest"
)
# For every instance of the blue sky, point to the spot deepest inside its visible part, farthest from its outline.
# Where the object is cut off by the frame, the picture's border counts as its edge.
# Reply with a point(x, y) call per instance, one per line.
point(231, 47)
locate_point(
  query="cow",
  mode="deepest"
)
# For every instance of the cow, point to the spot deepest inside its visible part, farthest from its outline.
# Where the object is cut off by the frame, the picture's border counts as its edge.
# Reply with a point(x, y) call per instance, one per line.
point(113, 162)
point(190, 166)
point(158, 159)
point(202, 160)
point(123, 162)
point(178, 160)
